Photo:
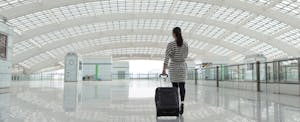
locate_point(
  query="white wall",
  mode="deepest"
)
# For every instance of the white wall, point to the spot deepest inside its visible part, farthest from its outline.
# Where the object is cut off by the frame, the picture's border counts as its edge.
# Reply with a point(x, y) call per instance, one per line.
point(104, 67)
point(5, 65)
point(120, 66)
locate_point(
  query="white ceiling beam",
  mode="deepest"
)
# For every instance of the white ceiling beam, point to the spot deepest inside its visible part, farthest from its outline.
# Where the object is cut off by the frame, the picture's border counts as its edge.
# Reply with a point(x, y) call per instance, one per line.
point(206, 16)
point(292, 51)
point(283, 31)
point(35, 43)
point(273, 3)
point(55, 62)
point(100, 48)
point(49, 69)
point(61, 63)
point(24, 66)
point(123, 45)
point(51, 55)
point(36, 51)
point(49, 4)
point(170, 13)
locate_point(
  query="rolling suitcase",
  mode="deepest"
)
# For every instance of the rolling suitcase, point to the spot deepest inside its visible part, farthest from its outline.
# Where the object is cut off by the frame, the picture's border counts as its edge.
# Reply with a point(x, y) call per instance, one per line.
point(167, 101)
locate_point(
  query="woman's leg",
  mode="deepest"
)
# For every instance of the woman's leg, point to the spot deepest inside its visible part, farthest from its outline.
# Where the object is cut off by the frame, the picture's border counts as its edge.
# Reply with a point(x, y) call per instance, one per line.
point(181, 87)
point(175, 84)
point(182, 90)
point(182, 96)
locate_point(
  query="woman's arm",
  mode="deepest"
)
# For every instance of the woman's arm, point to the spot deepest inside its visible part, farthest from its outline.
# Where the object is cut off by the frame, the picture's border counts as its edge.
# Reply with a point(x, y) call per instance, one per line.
point(186, 51)
point(164, 69)
point(167, 58)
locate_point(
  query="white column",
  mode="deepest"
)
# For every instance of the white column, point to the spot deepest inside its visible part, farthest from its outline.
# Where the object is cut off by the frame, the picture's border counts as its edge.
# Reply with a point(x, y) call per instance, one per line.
point(5, 64)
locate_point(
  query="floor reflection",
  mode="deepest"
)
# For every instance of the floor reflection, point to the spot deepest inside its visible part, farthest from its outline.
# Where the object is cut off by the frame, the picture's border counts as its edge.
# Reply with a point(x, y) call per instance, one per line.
point(170, 119)
point(132, 101)
point(4, 106)
point(255, 106)
point(72, 96)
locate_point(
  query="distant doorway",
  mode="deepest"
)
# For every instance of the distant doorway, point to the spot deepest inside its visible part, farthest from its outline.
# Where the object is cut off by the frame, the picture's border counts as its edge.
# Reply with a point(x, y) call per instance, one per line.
point(121, 74)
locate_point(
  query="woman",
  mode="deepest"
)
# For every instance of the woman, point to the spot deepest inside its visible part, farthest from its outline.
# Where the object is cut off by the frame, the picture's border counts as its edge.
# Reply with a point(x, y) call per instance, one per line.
point(177, 51)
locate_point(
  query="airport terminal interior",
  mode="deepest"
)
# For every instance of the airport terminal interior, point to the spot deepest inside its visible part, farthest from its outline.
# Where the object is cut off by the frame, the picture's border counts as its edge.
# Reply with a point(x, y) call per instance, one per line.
point(102, 60)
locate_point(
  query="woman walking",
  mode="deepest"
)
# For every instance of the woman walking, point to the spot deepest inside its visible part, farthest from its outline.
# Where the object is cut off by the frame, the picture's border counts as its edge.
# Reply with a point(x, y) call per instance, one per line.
point(177, 51)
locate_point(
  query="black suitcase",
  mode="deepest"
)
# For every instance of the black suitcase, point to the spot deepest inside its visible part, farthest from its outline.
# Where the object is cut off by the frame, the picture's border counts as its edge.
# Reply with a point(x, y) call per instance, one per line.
point(167, 101)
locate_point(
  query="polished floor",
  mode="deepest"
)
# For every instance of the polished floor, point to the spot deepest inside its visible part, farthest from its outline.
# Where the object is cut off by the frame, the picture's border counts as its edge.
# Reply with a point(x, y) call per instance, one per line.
point(132, 101)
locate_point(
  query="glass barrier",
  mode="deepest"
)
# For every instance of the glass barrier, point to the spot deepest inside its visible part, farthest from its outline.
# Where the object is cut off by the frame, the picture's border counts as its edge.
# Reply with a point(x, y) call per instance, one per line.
point(279, 71)
point(288, 71)
point(37, 76)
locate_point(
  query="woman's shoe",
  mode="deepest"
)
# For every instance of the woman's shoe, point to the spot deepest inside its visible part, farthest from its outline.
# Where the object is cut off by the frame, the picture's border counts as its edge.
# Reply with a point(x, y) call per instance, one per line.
point(181, 109)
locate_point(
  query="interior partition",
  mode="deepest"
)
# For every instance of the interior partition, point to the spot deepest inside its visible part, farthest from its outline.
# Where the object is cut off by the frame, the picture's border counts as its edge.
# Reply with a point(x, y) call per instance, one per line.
point(6, 38)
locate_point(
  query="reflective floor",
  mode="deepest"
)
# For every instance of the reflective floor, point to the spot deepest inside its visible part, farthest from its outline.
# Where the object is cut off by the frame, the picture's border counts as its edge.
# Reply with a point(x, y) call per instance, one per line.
point(132, 101)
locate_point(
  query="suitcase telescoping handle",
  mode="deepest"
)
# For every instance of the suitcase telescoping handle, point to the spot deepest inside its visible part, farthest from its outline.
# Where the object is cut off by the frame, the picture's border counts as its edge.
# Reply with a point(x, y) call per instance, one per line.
point(163, 77)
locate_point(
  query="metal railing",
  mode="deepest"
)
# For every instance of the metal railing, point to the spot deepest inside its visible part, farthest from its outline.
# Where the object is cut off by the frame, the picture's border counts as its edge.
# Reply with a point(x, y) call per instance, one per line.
point(60, 76)
point(285, 71)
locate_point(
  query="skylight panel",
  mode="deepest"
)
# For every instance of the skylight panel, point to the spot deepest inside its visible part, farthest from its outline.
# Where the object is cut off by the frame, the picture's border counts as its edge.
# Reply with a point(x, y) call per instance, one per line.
point(23, 65)
point(241, 40)
point(166, 39)
point(111, 25)
point(7, 4)
point(210, 31)
point(21, 47)
point(36, 59)
point(238, 58)
point(32, 21)
point(18, 68)
point(292, 38)
point(191, 8)
point(266, 25)
point(153, 6)
point(258, 2)
point(197, 44)
point(220, 51)
point(57, 15)
point(185, 26)
point(106, 40)
point(230, 15)
point(269, 51)
point(290, 7)
point(191, 56)
point(138, 51)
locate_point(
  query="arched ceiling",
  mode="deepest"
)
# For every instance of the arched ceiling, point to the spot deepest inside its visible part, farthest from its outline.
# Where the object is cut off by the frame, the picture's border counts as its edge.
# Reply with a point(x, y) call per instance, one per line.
point(215, 29)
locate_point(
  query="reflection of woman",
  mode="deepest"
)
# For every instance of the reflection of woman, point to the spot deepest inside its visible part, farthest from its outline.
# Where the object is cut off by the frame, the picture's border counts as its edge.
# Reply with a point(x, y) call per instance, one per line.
point(177, 51)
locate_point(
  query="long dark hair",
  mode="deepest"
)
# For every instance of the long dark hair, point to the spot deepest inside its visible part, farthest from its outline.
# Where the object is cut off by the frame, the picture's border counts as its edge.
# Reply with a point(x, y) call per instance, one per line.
point(179, 39)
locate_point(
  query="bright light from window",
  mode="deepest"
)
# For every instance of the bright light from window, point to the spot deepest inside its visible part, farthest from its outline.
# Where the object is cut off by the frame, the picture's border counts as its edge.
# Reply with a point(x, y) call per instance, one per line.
point(145, 66)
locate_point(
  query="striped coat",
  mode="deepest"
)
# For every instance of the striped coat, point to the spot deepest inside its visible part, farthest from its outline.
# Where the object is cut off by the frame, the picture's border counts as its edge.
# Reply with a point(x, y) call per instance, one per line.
point(177, 67)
